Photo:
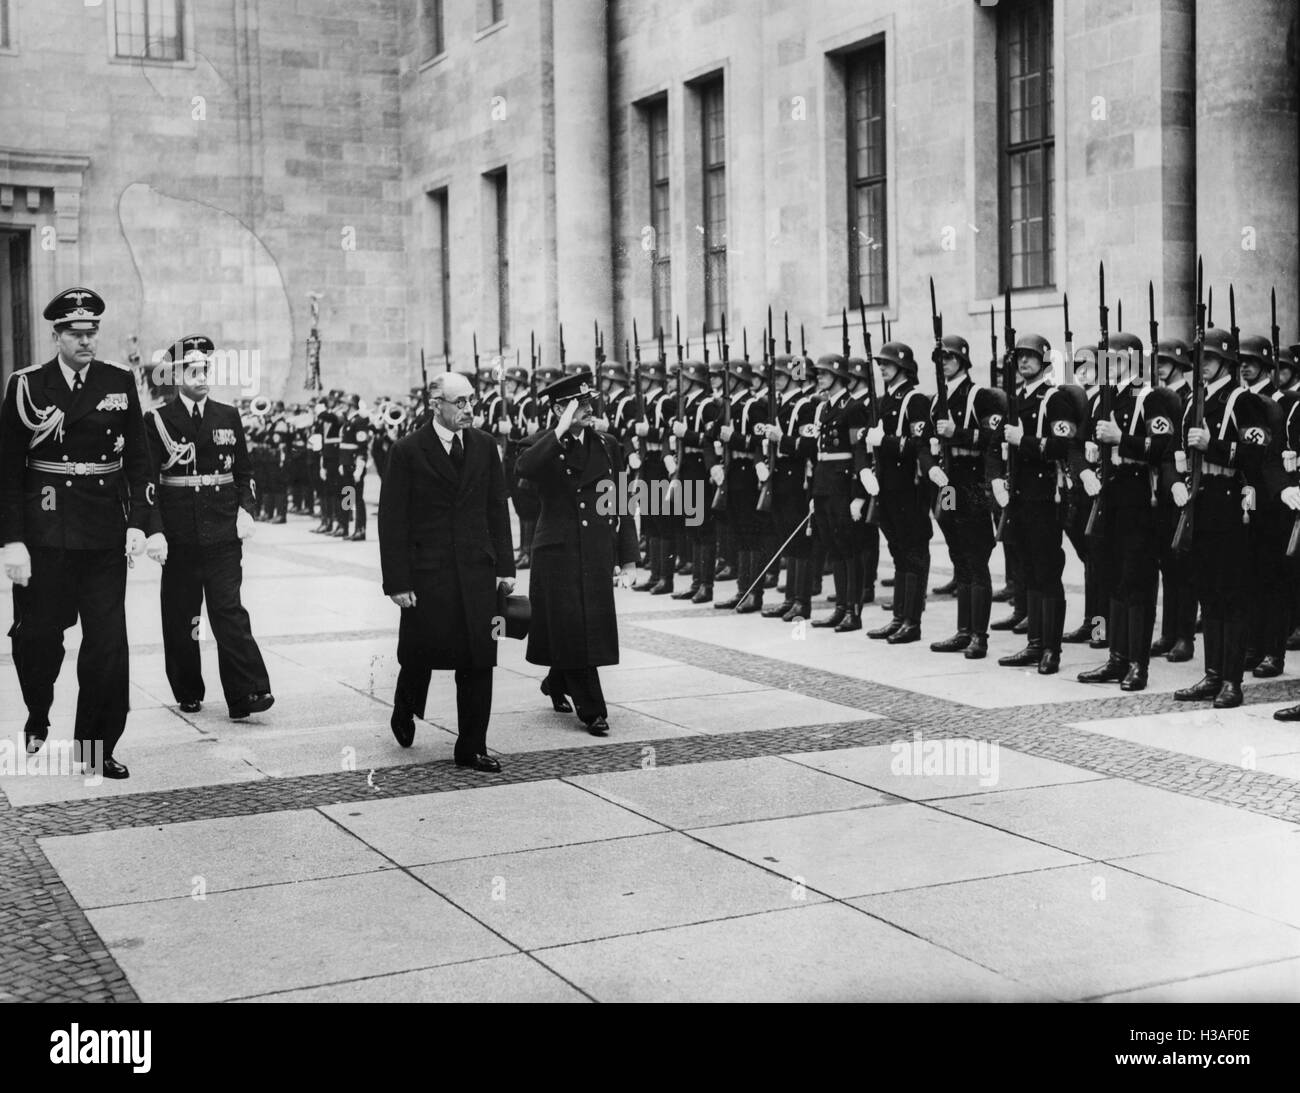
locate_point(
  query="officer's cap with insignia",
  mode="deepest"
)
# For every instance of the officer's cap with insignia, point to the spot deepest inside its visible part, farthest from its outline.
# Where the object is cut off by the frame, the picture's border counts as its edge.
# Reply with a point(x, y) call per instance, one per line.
point(1256, 348)
point(1175, 351)
point(571, 387)
point(900, 354)
point(75, 309)
point(833, 363)
point(185, 347)
point(958, 347)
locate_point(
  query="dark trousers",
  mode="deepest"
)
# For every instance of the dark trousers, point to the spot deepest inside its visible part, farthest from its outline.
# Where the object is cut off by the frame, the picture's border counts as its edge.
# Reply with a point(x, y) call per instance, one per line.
point(351, 501)
point(195, 573)
point(968, 528)
point(905, 523)
point(1178, 612)
point(1220, 555)
point(66, 585)
point(1130, 553)
point(473, 704)
point(583, 686)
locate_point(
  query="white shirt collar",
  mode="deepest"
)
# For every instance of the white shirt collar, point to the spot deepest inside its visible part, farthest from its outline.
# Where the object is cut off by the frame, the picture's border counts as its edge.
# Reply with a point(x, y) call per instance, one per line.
point(899, 380)
point(70, 375)
point(1260, 383)
point(1041, 381)
point(1180, 381)
point(1218, 384)
point(446, 435)
point(190, 404)
point(956, 381)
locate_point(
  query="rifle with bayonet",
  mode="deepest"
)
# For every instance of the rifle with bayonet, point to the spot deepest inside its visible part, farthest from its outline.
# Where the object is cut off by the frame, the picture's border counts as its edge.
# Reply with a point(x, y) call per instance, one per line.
point(770, 450)
point(1153, 332)
point(720, 494)
point(1183, 531)
point(1068, 370)
point(940, 391)
point(424, 386)
point(679, 410)
point(1008, 378)
point(869, 516)
point(1235, 335)
point(563, 354)
point(1106, 402)
point(994, 379)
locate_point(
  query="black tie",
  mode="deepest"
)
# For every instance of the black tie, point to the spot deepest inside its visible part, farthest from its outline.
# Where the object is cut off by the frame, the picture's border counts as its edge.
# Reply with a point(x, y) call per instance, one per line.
point(457, 452)
point(77, 385)
point(197, 416)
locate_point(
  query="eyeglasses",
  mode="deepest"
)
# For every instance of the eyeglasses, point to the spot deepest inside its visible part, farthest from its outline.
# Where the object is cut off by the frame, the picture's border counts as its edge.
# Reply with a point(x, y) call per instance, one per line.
point(462, 403)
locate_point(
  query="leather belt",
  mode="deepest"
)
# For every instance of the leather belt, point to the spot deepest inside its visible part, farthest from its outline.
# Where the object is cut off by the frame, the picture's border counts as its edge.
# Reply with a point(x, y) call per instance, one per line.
point(828, 457)
point(965, 453)
point(196, 480)
point(1217, 469)
point(80, 470)
point(744, 458)
point(350, 447)
point(692, 451)
point(1125, 460)
point(654, 447)
point(331, 440)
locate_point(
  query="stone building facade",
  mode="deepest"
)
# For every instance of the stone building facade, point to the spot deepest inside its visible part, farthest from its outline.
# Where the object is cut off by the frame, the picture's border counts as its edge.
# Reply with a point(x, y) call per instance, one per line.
point(445, 172)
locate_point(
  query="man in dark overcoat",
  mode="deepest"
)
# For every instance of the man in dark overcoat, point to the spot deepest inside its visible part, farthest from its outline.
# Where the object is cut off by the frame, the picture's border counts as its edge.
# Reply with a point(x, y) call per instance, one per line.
point(445, 550)
point(583, 532)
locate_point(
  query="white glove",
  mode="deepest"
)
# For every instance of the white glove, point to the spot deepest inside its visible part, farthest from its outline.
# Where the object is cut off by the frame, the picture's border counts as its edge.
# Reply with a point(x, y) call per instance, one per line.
point(156, 547)
point(856, 506)
point(477, 421)
point(679, 428)
point(725, 432)
point(1091, 483)
point(322, 475)
point(1108, 432)
point(869, 481)
point(773, 432)
point(1289, 461)
point(761, 471)
point(1013, 434)
point(937, 476)
point(626, 575)
point(1248, 499)
point(531, 430)
point(1291, 498)
point(634, 461)
point(718, 475)
point(642, 428)
point(17, 562)
point(1181, 495)
point(1198, 438)
point(503, 427)
point(600, 424)
point(244, 525)
point(944, 427)
point(1000, 494)
point(1091, 452)
point(134, 541)
point(670, 465)
point(875, 435)
point(1180, 461)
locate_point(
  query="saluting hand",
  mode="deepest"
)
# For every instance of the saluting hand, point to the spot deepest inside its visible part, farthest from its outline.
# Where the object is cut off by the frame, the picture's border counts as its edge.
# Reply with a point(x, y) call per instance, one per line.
point(566, 417)
point(403, 599)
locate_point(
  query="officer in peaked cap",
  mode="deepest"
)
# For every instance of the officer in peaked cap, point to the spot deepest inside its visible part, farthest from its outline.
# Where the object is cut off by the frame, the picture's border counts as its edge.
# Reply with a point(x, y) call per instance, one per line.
point(205, 509)
point(76, 499)
point(577, 545)
point(903, 465)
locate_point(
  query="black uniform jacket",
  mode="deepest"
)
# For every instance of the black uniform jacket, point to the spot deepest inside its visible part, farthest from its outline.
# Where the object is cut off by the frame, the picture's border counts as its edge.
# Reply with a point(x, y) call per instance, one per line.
point(41, 420)
point(581, 535)
point(205, 513)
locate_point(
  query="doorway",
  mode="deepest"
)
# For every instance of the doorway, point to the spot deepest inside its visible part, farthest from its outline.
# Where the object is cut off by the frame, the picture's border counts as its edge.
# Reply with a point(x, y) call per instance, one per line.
point(15, 302)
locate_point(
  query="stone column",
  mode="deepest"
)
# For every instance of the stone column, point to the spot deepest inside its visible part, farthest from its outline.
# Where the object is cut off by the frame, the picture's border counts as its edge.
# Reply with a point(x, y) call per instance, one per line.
point(584, 277)
point(1247, 159)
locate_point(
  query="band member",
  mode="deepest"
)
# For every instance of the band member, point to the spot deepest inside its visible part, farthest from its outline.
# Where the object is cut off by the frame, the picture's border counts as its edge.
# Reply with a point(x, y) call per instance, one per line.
point(205, 510)
point(968, 517)
point(354, 455)
point(574, 629)
point(1232, 442)
point(445, 552)
point(903, 463)
point(1046, 434)
point(76, 486)
point(1134, 440)
point(329, 427)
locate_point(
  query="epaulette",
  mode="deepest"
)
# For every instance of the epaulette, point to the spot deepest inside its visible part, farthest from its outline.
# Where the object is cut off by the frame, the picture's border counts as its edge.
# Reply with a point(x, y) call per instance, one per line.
point(123, 367)
point(29, 368)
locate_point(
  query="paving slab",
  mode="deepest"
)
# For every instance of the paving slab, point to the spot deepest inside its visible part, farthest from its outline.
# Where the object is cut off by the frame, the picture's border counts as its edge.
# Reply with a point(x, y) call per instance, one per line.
point(749, 711)
point(516, 978)
point(602, 889)
point(1276, 982)
point(1259, 873)
point(546, 730)
point(287, 936)
point(1086, 930)
point(474, 823)
point(172, 861)
point(1239, 737)
point(897, 769)
point(818, 953)
point(866, 850)
point(1111, 818)
point(692, 795)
